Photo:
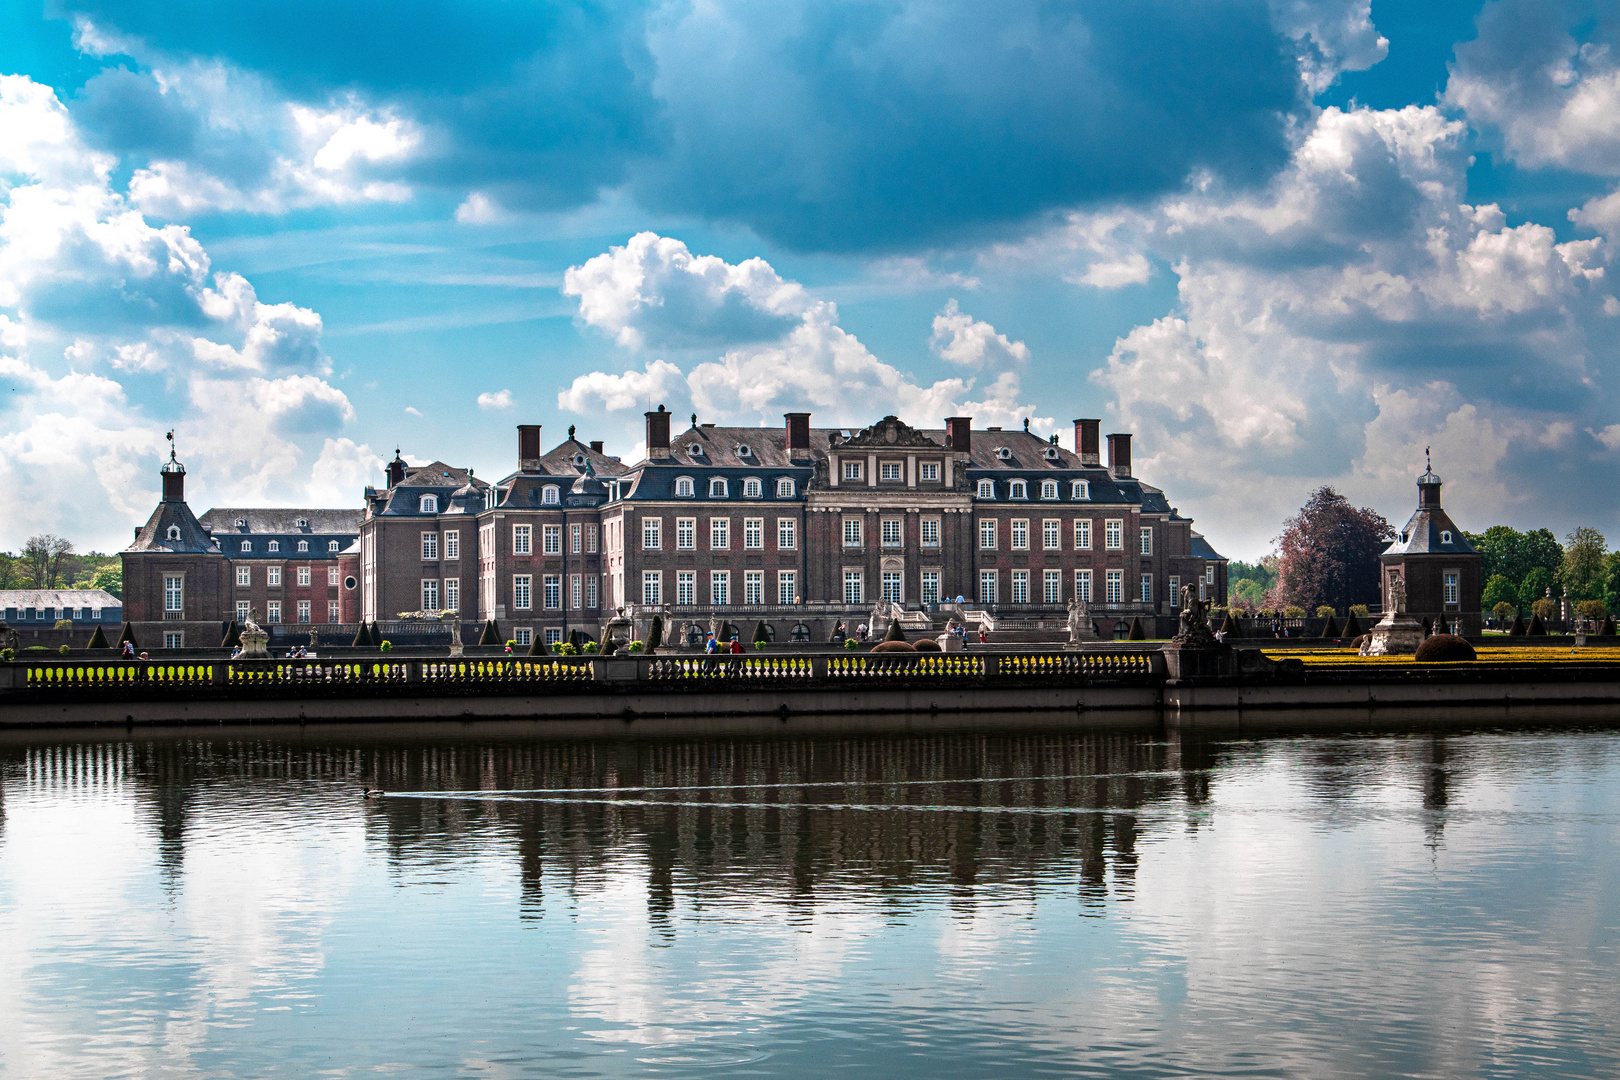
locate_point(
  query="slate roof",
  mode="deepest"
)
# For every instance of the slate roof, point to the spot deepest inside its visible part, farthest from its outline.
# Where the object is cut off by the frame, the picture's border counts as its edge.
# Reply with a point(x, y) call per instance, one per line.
point(282, 521)
point(560, 460)
point(1202, 550)
point(1421, 536)
point(458, 490)
point(720, 446)
point(154, 535)
point(58, 598)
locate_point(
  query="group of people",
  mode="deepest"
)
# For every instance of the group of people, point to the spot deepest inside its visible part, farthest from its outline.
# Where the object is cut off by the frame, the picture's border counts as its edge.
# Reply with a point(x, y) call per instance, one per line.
point(127, 652)
point(714, 645)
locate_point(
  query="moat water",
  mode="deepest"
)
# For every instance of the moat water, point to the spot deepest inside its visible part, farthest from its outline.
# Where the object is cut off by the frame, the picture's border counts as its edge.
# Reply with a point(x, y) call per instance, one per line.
point(1424, 904)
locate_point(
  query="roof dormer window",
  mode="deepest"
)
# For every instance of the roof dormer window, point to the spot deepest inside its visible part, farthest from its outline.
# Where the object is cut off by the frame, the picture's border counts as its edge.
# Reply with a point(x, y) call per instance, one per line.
point(987, 489)
point(1003, 453)
point(1445, 536)
point(784, 488)
point(303, 545)
point(273, 545)
point(303, 523)
point(174, 532)
point(550, 496)
point(429, 504)
point(579, 461)
point(1017, 490)
point(744, 451)
point(331, 545)
point(1049, 489)
point(696, 449)
point(683, 487)
point(752, 488)
point(247, 545)
point(717, 488)
point(241, 523)
point(1051, 453)
point(1080, 489)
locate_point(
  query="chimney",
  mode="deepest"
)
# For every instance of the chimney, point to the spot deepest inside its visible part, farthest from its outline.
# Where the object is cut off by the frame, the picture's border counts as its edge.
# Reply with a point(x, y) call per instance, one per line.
point(596, 445)
point(529, 448)
point(959, 434)
point(1119, 455)
point(658, 435)
point(1088, 441)
point(798, 432)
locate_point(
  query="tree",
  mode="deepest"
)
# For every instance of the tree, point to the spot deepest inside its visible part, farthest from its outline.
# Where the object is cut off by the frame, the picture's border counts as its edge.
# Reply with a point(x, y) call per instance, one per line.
point(1504, 611)
point(1581, 573)
point(1328, 553)
point(1514, 555)
point(1536, 584)
point(1499, 590)
point(43, 556)
point(1249, 591)
point(11, 571)
point(1611, 580)
point(110, 578)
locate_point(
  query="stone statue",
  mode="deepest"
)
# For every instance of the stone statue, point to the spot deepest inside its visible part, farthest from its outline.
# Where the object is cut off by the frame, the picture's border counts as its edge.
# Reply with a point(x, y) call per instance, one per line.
point(1397, 633)
point(714, 626)
point(1397, 594)
point(1193, 630)
point(1080, 628)
point(255, 639)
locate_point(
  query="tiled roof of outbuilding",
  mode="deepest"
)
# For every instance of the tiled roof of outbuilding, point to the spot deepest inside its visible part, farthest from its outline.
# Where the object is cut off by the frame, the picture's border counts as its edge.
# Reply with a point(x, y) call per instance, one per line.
point(58, 598)
point(282, 521)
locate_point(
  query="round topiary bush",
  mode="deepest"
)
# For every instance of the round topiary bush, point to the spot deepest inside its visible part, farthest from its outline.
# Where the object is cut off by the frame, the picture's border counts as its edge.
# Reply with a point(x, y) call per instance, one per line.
point(851, 643)
point(927, 645)
point(1444, 649)
point(1325, 611)
point(894, 646)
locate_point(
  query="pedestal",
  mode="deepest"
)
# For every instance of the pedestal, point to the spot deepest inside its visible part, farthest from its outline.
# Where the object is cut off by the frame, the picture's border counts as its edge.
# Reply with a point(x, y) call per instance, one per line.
point(255, 644)
point(1396, 634)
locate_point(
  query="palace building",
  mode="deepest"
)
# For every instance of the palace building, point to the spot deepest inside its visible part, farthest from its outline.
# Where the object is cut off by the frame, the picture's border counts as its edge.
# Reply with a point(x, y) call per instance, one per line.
point(797, 527)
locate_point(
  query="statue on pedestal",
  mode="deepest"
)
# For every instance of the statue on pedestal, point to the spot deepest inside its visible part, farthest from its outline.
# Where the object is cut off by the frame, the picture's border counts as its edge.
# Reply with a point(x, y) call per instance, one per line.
point(1193, 632)
point(1397, 632)
point(1081, 627)
point(255, 639)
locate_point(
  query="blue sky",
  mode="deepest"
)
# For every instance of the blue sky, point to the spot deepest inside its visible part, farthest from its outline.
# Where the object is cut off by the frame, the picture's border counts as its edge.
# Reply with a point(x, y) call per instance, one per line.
point(1284, 244)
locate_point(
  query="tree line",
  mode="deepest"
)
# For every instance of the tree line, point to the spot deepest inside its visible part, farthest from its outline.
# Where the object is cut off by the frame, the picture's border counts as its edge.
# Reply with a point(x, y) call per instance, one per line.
point(48, 561)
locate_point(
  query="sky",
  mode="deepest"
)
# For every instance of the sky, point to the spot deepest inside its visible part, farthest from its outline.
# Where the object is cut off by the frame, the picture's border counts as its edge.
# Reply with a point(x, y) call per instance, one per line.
point(1284, 244)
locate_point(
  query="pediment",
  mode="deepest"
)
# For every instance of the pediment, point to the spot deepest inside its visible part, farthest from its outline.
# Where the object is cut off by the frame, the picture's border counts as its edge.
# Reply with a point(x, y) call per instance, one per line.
point(890, 433)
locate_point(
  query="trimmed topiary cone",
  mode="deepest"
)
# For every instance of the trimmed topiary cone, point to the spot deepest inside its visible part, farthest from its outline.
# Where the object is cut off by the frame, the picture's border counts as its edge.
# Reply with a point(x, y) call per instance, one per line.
point(1607, 629)
point(537, 646)
point(362, 637)
point(1537, 629)
point(129, 636)
point(1136, 633)
point(98, 640)
point(1352, 627)
point(1444, 649)
point(655, 634)
point(491, 635)
point(1518, 628)
point(1428, 626)
point(1230, 627)
point(895, 633)
point(1331, 629)
point(232, 638)
point(761, 637)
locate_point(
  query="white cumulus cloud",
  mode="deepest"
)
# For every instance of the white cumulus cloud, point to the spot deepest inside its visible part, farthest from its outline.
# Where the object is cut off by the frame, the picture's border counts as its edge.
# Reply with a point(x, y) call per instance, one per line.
point(499, 399)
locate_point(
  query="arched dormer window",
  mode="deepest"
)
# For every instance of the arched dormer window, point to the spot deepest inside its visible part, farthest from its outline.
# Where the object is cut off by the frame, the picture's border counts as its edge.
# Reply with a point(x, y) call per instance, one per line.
point(987, 489)
point(241, 523)
point(1445, 536)
point(1017, 489)
point(718, 488)
point(550, 495)
point(303, 545)
point(696, 449)
point(579, 461)
point(302, 523)
point(1003, 453)
point(174, 532)
point(331, 545)
point(1051, 453)
point(274, 545)
point(429, 504)
point(1080, 489)
point(752, 488)
point(247, 545)
point(683, 487)
point(1048, 489)
point(744, 451)
point(784, 488)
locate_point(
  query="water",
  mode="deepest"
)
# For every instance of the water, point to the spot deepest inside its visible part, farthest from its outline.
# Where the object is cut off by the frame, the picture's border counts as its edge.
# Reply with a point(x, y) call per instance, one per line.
point(941, 906)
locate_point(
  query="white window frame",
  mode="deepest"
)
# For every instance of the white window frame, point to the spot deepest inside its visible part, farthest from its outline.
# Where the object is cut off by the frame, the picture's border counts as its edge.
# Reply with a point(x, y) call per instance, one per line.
point(452, 595)
point(247, 545)
point(174, 592)
point(551, 540)
point(592, 588)
point(652, 587)
point(303, 611)
point(1019, 535)
point(272, 611)
point(523, 539)
point(334, 612)
point(1082, 586)
point(787, 586)
point(303, 575)
point(551, 594)
point(752, 488)
point(1082, 534)
point(1051, 534)
point(989, 586)
point(576, 592)
point(718, 488)
point(244, 577)
point(854, 586)
point(331, 545)
point(274, 545)
point(576, 538)
point(787, 534)
point(685, 487)
point(720, 588)
point(929, 586)
point(891, 532)
point(174, 639)
point(1018, 489)
point(1115, 581)
point(685, 588)
point(720, 534)
point(331, 576)
point(987, 489)
point(522, 592)
point(1020, 586)
point(988, 528)
point(784, 488)
point(243, 609)
point(1450, 584)
point(1114, 534)
point(1175, 591)
point(1051, 587)
point(272, 576)
point(852, 469)
point(854, 533)
point(550, 495)
point(753, 534)
point(452, 544)
point(928, 528)
point(928, 470)
point(522, 635)
point(303, 545)
point(1147, 539)
point(1146, 588)
point(686, 534)
point(428, 504)
point(652, 534)
point(430, 547)
point(753, 587)
point(892, 586)
point(1049, 489)
point(891, 471)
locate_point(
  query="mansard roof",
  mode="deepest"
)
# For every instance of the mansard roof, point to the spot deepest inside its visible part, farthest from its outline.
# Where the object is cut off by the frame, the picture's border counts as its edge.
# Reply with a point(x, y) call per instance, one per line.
point(1422, 535)
point(437, 478)
point(721, 446)
point(193, 539)
point(282, 521)
point(561, 461)
point(1025, 450)
point(1201, 549)
point(58, 598)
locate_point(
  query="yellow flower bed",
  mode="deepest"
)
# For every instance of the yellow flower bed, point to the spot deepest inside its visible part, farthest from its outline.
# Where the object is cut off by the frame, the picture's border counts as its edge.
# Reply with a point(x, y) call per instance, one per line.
point(1528, 654)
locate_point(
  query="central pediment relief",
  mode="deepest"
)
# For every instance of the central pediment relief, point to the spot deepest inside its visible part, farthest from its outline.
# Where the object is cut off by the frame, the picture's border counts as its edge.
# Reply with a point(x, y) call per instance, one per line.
point(890, 433)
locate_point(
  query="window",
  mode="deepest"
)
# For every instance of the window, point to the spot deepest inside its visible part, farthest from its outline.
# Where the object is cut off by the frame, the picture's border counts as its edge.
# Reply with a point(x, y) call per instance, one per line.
point(1451, 586)
point(930, 586)
point(331, 576)
point(174, 532)
point(987, 534)
point(1020, 586)
point(274, 545)
point(331, 545)
point(928, 470)
point(241, 523)
point(683, 487)
point(551, 495)
point(1049, 489)
point(303, 545)
point(889, 470)
point(743, 450)
point(244, 576)
point(1017, 490)
point(890, 532)
point(303, 611)
point(553, 635)
point(1209, 574)
point(576, 538)
point(1114, 534)
point(753, 534)
point(717, 488)
point(521, 599)
point(334, 611)
point(753, 586)
point(521, 539)
point(652, 534)
point(430, 546)
point(590, 590)
point(1116, 586)
point(430, 595)
point(174, 592)
point(1020, 535)
point(686, 534)
point(719, 534)
point(522, 635)
point(272, 611)
point(273, 576)
point(174, 639)
point(853, 530)
point(590, 539)
point(429, 504)
point(551, 539)
point(1147, 589)
point(852, 470)
point(576, 592)
point(751, 488)
point(891, 586)
point(243, 609)
point(1175, 591)
point(787, 586)
point(652, 587)
point(1051, 535)
point(552, 585)
point(303, 575)
point(452, 544)
point(987, 489)
point(1147, 540)
point(1051, 587)
point(1080, 489)
point(1445, 536)
point(987, 586)
point(247, 545)
point(854, 592)
point(452, 595)
point(686, 588)
point(1003, 452)
point(1082, 586)
point(719, 587)
point(930, 532)
point(784, 488)
point(1082, 534)
point(786, 534)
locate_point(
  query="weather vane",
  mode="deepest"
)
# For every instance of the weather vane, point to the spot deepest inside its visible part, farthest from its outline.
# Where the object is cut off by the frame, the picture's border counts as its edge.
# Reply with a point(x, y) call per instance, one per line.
point(170, 437)
point(1427, 464)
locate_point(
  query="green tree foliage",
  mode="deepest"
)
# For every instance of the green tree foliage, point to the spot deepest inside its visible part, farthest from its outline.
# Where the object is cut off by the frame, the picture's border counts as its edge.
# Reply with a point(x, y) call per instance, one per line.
point(110, 578)
point(1504, 611)
point(1515, 555)
point(1499, 590)
point(1263, 574)
point(1536, 584)
point(1611, 580)
point(11, 571)
point(1328, 552)
point(1581, 573)
point(43, 557)
point(1247, 590)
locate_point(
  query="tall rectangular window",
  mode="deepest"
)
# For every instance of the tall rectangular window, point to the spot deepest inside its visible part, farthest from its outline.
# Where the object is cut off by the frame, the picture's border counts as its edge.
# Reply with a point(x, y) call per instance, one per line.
point(1114, 534)
point(576, 539)
point(930, 586)
point(1451, 586)
point(1051, 587)
point(719, 534)
point(853, 528)
point(430, 595)
point(787, 586)
point(452, 543)
point(686, 588)
point(1147, 540)
point(987, 534)
point(553, 591)
point(272, 611)
point(1175, 590)
point(652, 534)
point(522, 599)
point(576, 592)
point(1116, 587)
point(719, 587)
point(430, 546)
point(652, 587)
point(1020, 535)
point(334, 611)
point(854, 593)
point(1082, 586)
point(452, 594)
point(1082, 534)
point(522, 635)
point(521, 535)
point(753, 587)
point(272, 575)
point(754, 534)
point(243, 609)
point(987, 586)
point(1209, 575)
point(787, 537)
point(303, 611)
point(891, 586)
point(891, 532)
point(332, 576)
point(244, 575)
point(590, 539)
point(930, 532)
point(1020, 586)
point(590, 590)
point(928, 470)
point(303, 575)
point(551, 536)
point(1051, 534)
point(686, 534)
point(1147, 589)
